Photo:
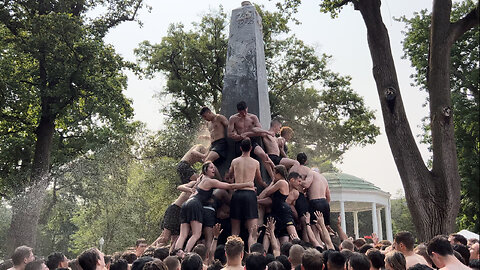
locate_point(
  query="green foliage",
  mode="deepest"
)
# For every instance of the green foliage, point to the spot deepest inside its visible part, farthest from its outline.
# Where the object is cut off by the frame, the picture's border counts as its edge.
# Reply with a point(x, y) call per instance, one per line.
point(5, 218)
point(464, 80)
point(328, 120)
point(401, 218)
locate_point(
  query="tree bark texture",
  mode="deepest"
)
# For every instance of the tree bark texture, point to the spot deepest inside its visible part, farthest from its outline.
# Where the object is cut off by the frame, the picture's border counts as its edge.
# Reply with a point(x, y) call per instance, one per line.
point(433, 197)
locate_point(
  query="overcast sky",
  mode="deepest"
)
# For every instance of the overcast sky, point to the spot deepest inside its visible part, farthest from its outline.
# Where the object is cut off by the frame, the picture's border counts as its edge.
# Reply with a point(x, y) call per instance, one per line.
point(344, 38)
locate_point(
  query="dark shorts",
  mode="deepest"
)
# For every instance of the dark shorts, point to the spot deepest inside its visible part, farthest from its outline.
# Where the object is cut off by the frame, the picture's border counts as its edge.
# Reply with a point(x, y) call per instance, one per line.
point(244, 205)
point(301, 205)
point(209, 216)
point(220, 146)
point(192, 210)
point(283, 217)
point(322, 206)
point(185, 171)
point(255, 142)
point(275, 159)
point(171, 219)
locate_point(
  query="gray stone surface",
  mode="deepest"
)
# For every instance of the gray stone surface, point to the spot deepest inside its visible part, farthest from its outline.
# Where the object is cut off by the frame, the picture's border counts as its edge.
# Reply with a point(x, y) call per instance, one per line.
point(245, 74)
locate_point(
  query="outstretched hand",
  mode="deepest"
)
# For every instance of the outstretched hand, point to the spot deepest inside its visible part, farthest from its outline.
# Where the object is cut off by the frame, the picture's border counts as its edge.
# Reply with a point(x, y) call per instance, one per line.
point(217, 230)
point(319, 216)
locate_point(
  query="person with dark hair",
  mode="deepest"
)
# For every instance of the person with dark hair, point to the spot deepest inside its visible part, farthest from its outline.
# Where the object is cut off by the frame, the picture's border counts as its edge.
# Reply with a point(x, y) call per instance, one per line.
point(220, 255)
point(272, 146)
point(358, 261)
point(275, 265)
point(155, 264)
point(91, 259)
point(456, 238)
point(56, 260)
point(358, 243)
point(37, 264)
point(243, 205)
point(129, 256)
point(192, 212)
point(298, 202)
point(441, 252)
point(21, 256)
point(284, 260)
point(285, 248)
point(234, 252)
point(336, 261)
point(172, 263)
point(161, 253)
point(463, 250)
point(394, 260)
point(185, 170)
point(365, 248)
point(254, 261)
point(420, 266)
point(404, 243)
point(139, 263)
point(244, 125)
point(279, 190)
point(201, 250)
point(192, 261)
point(312, 259)
point(73, 265)
point(216, 124)
point(120, 264)
point(257, 247)
point(421, 249)
point(216, 265)
point(377, 259)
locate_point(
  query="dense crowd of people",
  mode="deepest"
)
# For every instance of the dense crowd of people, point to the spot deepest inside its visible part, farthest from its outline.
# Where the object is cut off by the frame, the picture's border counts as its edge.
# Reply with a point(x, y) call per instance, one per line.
point(241, 221)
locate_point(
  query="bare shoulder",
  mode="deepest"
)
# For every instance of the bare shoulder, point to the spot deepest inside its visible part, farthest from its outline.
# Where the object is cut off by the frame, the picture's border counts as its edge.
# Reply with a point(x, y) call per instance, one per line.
point(233, 117)
point(220, 118)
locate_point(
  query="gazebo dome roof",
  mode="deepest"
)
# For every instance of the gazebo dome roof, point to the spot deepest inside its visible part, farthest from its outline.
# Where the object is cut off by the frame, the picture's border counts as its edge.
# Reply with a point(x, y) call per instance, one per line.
point(348, 181)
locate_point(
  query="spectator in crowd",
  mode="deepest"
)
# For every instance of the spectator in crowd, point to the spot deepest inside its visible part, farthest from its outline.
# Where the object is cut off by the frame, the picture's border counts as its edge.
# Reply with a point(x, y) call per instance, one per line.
point(404, 242)
point(456, 239)
point(275, 265)
point(312, 259)
point(474, 251)
point(358, 261)
point(284, 260)
point(420, 266)
point(358, 243)
point(441, 252)
point(21, 256)
point(394, 260)
point(234, 252)
point(376, 258)
point(172, 263)
point(140, 247)
point(56, 260)
point(295, 255)
point(119, 264)
point(254, 261)
point(91, 259)
point(191, 261)
point(463, 251)
point(37, 264)
point(336, 261)
point(347, 244)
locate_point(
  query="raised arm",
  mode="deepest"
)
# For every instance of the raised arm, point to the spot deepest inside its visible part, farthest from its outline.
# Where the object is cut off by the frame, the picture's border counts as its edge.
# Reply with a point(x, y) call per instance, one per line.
point(198, 155)
point(214, 183)
point(341, 234)
point(270, 233)
point(270, 190)
point(217, 230)
point(231, 132)
point(311, 235)
point(323, 230)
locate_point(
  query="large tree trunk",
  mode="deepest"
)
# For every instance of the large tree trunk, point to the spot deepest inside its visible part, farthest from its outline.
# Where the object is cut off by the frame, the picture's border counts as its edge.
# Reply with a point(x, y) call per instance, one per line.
point(26, 206)
point(432, 197)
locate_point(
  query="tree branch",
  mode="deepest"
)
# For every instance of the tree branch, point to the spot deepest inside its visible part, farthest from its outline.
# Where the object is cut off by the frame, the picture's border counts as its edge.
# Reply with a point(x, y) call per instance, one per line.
point(458, 28)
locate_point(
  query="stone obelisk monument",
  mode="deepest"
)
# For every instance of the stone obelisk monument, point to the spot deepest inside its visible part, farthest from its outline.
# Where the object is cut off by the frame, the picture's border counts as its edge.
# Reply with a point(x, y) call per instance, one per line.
point(245, 74)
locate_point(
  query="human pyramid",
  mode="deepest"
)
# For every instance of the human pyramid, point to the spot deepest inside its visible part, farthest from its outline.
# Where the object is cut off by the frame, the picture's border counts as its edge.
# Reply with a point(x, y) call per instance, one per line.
point(209, 205)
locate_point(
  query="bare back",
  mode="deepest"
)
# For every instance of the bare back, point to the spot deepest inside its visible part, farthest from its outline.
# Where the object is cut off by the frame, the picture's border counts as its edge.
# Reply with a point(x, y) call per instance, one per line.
point(319, 187)
point(182, 198)
point(217, 127)
point(245, 169)
point(414, 259)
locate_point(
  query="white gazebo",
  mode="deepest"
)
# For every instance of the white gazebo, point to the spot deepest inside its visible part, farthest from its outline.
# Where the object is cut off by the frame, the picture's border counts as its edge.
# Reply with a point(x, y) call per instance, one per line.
point(351, 194)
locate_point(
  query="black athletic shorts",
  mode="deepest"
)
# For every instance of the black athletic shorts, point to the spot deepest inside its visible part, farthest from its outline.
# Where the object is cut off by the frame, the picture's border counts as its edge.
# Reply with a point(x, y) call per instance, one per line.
point(171, 219)
point(220, 146)
point(283, 216)
point(192, 210)
point(322, 206)
point(244, 205)
point(185, 171)
point(209, 216)
point(301, 205)
point(275, 159)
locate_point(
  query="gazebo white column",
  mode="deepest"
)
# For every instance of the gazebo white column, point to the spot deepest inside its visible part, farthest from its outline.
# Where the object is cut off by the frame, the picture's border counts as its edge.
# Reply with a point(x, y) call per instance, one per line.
point(388, 222)
point(355, 224)
point(342, 215)
point(379, 224)
point(374, 218)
